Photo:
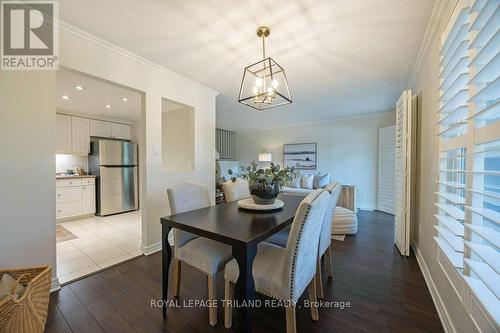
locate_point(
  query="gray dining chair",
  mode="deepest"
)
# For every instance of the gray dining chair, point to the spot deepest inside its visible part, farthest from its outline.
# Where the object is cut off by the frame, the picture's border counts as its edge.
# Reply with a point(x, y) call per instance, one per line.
point(325, 241)
point(285, 273)
point(280, 238)
point(206, 255)
point(235, 190)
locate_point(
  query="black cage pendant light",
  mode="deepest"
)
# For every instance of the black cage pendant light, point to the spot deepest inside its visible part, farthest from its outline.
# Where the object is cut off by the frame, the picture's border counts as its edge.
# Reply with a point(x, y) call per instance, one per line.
point(264, 84)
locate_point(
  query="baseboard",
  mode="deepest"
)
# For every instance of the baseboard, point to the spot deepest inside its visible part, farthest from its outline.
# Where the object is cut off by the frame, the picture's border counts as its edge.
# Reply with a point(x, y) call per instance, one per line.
point(368, 207)
point(436, 298)
point(147, 250)
point(55, 285)
point(150, 249)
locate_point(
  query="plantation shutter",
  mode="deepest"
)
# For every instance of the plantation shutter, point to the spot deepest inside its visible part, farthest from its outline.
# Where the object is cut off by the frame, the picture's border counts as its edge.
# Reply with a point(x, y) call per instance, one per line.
point(468, 199)
point(482, 238)
point(452, 132)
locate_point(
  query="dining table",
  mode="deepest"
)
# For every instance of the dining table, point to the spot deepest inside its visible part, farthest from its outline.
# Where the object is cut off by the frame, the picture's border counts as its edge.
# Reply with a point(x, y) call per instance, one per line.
point(241, 229)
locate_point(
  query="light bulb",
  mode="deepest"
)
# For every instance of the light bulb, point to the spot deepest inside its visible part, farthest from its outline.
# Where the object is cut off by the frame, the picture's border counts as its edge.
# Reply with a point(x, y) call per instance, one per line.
point(270, 91)
point(255, 90)
point(258, 82)
point(275, 83)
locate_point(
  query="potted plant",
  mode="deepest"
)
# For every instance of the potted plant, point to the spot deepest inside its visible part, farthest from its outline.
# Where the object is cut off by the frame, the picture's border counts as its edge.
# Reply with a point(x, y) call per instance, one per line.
point(264, 184)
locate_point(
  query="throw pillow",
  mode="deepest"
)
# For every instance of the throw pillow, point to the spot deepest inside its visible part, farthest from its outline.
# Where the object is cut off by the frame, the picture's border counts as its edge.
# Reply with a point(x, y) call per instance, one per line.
point(321, 180)
point(307, 181)
point(295, 182)
point(6, 286)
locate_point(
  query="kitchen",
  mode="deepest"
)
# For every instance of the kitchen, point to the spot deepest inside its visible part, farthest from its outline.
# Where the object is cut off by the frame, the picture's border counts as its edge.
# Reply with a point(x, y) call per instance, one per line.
point(98, 215)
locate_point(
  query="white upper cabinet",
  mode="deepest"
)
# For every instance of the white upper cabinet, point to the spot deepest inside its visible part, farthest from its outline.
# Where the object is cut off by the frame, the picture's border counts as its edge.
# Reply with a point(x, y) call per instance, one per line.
point(80, 135)
point(105, 129)
point(121, 131)
point(63, 134)
point(100, 129)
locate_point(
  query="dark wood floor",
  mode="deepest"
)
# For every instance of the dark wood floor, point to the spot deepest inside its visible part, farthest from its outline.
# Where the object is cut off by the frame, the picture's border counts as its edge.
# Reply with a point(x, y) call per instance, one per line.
point(387, 294)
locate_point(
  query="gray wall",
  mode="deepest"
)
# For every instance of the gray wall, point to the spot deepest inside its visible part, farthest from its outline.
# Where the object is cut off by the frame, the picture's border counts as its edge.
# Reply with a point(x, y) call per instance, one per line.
point(27, 166)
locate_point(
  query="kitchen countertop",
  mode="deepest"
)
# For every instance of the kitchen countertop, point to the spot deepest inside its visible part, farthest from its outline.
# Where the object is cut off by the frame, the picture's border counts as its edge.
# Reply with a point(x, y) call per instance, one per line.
point(74, 177)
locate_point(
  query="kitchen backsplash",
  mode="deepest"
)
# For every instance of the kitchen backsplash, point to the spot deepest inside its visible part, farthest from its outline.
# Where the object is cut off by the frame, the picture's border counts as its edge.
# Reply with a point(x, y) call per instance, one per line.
point(65, 162)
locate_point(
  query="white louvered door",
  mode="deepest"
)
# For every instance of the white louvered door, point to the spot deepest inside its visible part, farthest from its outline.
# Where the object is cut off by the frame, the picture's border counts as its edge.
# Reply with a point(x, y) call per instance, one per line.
point(403, 173)
point(386, 164)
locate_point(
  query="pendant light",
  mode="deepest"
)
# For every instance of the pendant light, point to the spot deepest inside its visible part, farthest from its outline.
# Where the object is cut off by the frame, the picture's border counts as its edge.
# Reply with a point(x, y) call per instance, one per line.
point(264, 84)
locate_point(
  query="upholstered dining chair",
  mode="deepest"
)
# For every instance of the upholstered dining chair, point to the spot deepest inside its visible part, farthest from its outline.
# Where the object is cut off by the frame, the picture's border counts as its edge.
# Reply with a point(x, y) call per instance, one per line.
point(281, 237)
point(284, 273)
point(206, 255)
point(325, 240)
point(235, 190)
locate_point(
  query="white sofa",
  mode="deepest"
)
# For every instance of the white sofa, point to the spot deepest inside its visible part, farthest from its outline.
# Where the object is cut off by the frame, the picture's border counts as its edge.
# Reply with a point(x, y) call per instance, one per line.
point(296, 190)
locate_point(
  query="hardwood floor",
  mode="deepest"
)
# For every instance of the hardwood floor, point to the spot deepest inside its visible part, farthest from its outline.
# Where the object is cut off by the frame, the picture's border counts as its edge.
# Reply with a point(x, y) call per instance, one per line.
point(387, 293)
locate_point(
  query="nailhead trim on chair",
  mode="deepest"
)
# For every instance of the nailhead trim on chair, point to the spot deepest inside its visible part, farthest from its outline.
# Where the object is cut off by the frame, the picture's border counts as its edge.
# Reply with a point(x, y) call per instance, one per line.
point(296, 248)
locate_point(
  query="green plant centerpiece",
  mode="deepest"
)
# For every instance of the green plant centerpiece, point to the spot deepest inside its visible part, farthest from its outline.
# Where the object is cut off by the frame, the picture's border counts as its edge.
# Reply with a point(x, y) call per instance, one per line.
point(264, 184)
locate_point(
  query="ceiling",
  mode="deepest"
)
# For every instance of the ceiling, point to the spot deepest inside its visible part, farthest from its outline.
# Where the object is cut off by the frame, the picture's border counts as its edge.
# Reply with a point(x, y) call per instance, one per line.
point(92, 100)
point(342, 58)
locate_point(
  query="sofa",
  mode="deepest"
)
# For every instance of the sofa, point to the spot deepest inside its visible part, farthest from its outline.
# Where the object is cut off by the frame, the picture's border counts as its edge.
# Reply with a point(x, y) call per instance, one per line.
point(344, 221)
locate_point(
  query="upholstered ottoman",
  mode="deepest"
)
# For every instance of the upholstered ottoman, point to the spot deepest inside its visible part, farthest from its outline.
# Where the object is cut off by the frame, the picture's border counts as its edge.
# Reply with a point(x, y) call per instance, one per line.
point(344, 222)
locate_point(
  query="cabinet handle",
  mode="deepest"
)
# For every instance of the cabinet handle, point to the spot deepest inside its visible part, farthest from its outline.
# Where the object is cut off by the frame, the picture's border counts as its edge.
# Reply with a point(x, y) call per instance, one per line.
point(58, 210)
point(59, 195)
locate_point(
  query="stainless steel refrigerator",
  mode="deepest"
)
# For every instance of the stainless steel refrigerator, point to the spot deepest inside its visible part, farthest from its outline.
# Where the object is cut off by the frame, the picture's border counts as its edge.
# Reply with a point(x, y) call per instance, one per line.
point(114, 163)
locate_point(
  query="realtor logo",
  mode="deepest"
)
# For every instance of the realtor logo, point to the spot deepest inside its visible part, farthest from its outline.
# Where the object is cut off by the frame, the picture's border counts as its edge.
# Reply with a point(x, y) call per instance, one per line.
point(29, 35)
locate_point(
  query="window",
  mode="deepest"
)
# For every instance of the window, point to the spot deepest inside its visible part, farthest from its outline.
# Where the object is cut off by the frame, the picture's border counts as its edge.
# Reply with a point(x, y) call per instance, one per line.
point(468, 199)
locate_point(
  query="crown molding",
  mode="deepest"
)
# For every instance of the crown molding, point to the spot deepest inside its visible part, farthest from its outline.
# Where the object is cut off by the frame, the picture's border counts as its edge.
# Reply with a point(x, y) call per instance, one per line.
point(133, 56)
point(317, 122)
point(438, 13)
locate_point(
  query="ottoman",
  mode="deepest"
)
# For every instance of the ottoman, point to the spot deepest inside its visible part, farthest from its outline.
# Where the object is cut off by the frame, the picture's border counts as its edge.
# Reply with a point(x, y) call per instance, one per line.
point(344, 222)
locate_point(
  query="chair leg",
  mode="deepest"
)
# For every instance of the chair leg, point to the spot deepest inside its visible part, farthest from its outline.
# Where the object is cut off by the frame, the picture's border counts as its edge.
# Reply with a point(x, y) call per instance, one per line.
point(176, 283)
point(329, 261)
point(313, 300)
point(212, 297)
point(291, 325)
point(319, 280)
point(228, 298)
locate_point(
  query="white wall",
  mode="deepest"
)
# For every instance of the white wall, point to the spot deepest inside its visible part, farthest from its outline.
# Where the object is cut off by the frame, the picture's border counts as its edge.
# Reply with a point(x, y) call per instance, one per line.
point(347, 149)
point(426, 87)
point(27, 164)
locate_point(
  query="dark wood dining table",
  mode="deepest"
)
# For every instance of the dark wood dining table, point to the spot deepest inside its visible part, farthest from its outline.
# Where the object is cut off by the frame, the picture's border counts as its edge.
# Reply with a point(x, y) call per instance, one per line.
point(238, 228)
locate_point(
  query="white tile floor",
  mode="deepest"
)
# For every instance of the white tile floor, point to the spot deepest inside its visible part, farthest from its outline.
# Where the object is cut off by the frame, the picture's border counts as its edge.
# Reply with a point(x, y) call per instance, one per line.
point(101, 242)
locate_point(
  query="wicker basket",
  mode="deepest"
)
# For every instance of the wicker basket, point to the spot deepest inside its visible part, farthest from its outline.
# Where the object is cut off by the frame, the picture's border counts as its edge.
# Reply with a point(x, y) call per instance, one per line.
point(29, 312)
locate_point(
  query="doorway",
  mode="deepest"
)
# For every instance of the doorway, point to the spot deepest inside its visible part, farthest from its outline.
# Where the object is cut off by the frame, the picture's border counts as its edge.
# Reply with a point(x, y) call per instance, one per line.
point(93, 114)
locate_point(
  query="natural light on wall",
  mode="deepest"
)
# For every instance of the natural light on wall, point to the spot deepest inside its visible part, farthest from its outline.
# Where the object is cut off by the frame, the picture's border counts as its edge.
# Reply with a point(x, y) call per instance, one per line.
point(177, 136)
point(468, 197)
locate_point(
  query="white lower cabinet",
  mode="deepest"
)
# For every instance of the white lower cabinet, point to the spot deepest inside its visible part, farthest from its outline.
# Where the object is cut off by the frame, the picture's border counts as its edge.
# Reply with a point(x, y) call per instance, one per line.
point(68, 209)
point(75, 197)
point(88, 199)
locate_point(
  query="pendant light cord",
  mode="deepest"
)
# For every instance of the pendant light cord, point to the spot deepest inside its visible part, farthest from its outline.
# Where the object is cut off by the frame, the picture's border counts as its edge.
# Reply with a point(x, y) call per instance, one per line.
point(263, 47)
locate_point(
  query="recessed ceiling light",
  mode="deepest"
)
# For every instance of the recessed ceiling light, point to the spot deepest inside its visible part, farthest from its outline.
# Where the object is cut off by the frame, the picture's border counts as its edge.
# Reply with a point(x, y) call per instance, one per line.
point(79, 88)
point(124, 99)
point(107, 106)
point(65, 97)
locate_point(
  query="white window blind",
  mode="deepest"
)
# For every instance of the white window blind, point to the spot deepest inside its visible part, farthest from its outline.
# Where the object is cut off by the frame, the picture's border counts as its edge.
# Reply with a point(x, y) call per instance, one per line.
point(468, 126)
